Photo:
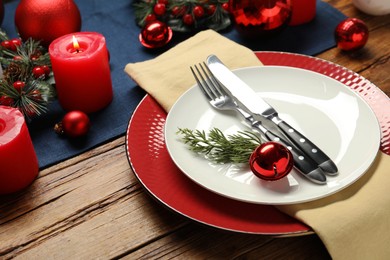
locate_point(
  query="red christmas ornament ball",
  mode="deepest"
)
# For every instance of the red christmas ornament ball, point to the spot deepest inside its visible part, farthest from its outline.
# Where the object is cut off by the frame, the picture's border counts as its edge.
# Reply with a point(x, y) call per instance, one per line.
point(46, 20)
point(255, 18)
point(75, 124)
point(155, 34)
point(271, 161)
point(351, 34)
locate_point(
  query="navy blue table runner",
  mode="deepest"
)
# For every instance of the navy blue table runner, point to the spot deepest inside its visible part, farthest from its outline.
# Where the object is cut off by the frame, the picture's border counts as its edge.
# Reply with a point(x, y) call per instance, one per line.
point(115, 20)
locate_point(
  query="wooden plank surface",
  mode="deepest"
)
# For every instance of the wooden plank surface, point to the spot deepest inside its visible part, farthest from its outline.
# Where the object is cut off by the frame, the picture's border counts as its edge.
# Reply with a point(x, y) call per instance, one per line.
point(92, 206)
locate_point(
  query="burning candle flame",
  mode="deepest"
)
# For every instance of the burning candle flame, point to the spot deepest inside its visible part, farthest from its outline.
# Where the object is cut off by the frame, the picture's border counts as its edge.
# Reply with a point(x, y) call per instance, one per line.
point(76, 44)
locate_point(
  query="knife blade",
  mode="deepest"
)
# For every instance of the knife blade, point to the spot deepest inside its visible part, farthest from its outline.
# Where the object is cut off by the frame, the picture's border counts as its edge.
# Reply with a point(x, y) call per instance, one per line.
point(260, 110)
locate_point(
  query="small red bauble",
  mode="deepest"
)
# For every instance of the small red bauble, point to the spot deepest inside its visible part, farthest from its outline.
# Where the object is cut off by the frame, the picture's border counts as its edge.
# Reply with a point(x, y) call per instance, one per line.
point(271, 161)
point(45, 20)
point(255, 18)
point(155, 34)
point(74, 124)
point(351, 34)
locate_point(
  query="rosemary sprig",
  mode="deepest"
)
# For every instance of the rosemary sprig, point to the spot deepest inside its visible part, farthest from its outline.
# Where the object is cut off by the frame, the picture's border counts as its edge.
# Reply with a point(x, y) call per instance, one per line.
point(217, 147)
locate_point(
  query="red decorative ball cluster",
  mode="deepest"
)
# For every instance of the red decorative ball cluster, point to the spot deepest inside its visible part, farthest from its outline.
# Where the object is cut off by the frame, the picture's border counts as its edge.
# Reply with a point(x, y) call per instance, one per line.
point(187, 13)
point(158, 18)
point(25, 80)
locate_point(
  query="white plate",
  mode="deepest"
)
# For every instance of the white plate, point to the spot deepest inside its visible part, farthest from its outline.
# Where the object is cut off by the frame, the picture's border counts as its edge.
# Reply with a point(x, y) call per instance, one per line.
point(326, 111)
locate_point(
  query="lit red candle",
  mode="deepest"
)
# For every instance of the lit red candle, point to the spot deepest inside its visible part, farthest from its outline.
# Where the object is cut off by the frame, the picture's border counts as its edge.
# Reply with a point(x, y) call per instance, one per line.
point(303, 11)
point(81, 71)
point(18, 161)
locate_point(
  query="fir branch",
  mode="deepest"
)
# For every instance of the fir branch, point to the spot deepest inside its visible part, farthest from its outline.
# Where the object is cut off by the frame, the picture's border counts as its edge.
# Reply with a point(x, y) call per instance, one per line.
point(217, 147)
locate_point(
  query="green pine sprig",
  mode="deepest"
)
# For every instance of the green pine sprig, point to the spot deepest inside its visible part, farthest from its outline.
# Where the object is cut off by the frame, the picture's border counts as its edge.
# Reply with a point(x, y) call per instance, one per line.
point(35, 97)
point(217, 147)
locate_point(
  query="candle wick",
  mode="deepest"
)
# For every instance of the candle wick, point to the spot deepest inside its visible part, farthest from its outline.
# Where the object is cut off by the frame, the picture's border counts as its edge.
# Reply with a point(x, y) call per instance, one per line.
point(77, 50)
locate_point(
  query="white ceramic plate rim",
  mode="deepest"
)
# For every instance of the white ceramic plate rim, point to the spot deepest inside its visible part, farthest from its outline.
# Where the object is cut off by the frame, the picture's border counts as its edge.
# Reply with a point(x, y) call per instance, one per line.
point(328, 112)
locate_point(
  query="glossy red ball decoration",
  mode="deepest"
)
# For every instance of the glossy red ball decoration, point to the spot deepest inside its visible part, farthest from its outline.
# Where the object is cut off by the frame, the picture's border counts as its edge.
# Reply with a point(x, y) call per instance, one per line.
point(255, 18)
point(46, 20)
point(271, 161)
point(155, 34)
point(19, 85)
point(351, 34)
point(75, 124)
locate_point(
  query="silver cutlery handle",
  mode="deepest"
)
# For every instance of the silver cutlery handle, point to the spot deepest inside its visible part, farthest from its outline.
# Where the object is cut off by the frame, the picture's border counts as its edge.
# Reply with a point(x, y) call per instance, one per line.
point(304, 164)
point(308, 147)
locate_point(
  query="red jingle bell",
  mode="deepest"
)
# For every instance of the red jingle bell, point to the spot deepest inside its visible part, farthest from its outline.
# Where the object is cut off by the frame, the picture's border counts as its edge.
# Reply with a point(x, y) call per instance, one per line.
point(271, 161)
point(155, 34)
point(351, 34)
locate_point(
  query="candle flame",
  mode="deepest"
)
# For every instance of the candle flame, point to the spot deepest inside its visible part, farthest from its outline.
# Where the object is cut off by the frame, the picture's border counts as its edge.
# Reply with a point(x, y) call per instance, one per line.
point(76, 44)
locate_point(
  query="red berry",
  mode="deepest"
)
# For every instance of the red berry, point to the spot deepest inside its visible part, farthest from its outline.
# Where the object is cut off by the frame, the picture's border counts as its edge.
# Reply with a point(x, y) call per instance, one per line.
point(211, 9)
point(36, 94)
point(271, 161)
point(19, 85)
point(178, 10)
point(188, 19)
point(150, 18)
point(159, 9)
point(46, 69)
point(16, 41)
point(225, 6)
point(198, 11)
point(38, 71)
point(6, 44)
point(17, 57)
point(6, 101)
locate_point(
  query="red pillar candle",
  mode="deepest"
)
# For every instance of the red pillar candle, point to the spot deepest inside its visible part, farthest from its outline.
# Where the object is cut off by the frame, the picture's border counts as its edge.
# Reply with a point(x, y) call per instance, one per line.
point(303, 11)
point(18, 161)
point(81, 71)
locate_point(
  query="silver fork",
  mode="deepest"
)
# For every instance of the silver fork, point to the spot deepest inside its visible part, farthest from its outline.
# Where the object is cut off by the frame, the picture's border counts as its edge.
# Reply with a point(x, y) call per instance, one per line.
point(221, 100)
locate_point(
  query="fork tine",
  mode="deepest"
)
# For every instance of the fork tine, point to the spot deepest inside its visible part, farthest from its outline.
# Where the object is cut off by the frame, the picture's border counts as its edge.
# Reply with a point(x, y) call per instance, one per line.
point(200, 81)
point(216, 86)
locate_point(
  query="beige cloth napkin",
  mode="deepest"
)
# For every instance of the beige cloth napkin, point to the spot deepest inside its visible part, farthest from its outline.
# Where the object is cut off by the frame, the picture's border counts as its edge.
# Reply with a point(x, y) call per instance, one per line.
point(353, 223)
point(168, 76)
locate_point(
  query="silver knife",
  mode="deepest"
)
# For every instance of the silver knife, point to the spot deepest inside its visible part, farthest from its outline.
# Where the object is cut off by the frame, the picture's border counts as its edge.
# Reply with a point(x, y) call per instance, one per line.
point(260, 110)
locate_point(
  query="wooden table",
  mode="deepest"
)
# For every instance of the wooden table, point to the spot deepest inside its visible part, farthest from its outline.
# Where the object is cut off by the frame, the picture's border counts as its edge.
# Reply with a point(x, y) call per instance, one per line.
point(92, 206)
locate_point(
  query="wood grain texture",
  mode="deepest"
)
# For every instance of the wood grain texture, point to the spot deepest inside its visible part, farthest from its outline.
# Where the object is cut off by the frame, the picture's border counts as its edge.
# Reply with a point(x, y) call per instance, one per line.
point(92, 205)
